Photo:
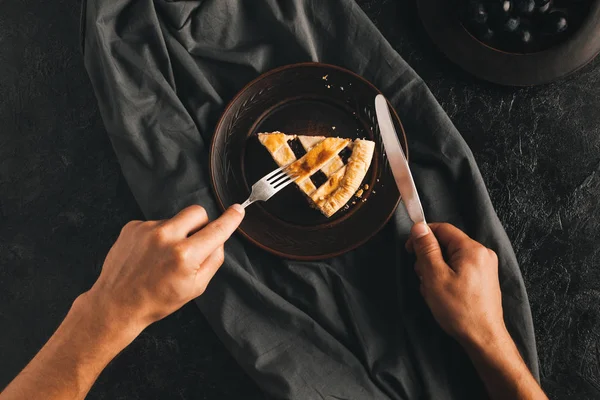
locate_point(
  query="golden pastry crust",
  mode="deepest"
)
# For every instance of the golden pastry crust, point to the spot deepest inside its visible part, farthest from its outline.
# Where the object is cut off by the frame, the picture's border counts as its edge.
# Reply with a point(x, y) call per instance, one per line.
point(308, 142)
point(323, 154)
point(277, 144)
point(355, 171)
point(317, 157)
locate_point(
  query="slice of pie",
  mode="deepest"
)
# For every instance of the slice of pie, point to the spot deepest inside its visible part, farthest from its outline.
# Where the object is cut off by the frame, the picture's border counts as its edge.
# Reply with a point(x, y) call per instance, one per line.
point(329, 170)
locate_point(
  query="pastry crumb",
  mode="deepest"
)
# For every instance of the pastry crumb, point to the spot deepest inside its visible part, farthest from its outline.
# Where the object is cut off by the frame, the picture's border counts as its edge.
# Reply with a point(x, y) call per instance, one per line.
point(359, 193)
point(354, 202)
point(341, 88)
point(333, 127)
point(325, 77)
point(328, 86)
point(366, 186)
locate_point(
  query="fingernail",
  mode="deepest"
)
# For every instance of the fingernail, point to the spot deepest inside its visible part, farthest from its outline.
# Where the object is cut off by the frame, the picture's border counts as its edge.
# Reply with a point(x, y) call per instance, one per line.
point(238, 208)
point(419, 230)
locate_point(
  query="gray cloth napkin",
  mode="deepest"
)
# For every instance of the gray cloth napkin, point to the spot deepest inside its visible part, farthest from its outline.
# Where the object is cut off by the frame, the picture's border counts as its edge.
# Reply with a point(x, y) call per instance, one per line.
point(351, 327)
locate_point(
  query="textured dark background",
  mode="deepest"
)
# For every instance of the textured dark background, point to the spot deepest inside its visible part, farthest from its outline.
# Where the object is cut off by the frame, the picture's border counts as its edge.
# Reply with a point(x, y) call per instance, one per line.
point(63, 201)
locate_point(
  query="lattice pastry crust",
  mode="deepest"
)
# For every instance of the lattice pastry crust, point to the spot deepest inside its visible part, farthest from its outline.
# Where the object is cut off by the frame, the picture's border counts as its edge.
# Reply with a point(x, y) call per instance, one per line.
point(322, 154)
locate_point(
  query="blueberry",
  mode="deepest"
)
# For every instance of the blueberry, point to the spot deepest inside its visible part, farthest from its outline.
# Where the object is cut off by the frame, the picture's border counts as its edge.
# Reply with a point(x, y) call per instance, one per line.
point(525, 6)
point(556, 22)
point(542, 6)
point(484, 34)
point(500, 8)
point(512, 24)
point(477, 13)
point(525, 36)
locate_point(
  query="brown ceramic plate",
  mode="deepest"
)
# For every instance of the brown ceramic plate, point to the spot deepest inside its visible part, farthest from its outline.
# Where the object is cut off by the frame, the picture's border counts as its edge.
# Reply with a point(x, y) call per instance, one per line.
point(441, 22)
point(303, 99)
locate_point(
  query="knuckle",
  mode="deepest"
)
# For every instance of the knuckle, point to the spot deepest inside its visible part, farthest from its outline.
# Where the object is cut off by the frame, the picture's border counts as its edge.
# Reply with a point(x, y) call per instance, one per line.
point(129, 227)
point(180, 254)
point(202, 288)
point(470, 279)
point(486, 257)
point(468, 243)
point(160, 234)
point(493, 256)
point(478, 255)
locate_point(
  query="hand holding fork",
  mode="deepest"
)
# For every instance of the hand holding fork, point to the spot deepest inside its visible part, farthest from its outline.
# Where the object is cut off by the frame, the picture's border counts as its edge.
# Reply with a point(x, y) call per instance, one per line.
point(269, 185)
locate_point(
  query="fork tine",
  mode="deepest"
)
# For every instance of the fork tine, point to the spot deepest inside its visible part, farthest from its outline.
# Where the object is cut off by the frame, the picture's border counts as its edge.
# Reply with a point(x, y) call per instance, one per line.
point(279, 178)
point(282, 181)
point(272, 173)
point(269, 185)
point(276, 176)
point(281, 184)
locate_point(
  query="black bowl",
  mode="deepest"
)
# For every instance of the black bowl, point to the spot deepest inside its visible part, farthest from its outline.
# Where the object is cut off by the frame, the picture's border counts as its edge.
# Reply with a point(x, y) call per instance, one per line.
point(502, 56)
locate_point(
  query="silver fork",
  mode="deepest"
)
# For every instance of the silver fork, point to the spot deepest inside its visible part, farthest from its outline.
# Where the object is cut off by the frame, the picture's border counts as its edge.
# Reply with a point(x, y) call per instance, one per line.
point(270, 184)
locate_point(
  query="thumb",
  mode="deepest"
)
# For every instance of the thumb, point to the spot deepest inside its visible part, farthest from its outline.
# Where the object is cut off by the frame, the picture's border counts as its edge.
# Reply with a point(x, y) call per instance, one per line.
point(425, 245)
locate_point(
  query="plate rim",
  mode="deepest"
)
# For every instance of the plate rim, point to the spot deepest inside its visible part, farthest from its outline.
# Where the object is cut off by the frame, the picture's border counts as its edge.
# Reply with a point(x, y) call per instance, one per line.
point(218, 126)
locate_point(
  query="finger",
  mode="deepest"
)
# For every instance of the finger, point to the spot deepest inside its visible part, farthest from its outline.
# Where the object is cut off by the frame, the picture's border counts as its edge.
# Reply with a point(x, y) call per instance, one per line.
point(427, 249)
point(451, 238)
point(494, 258)
point(207, 240)
point(187, 221)
point(419, 270)
point(208, 269)
point(409, 246)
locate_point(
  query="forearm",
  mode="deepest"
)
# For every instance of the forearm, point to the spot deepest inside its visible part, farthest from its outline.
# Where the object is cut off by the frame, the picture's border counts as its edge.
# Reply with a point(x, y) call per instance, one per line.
point(69, 363)
point(503, 371)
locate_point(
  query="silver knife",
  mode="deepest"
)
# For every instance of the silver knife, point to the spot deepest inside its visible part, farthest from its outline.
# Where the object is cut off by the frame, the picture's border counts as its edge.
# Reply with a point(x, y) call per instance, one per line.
point(398, 162)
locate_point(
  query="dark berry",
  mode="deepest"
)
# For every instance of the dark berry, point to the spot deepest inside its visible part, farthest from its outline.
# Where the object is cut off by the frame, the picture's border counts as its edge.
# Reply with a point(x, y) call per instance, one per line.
point(525, 36)
point(512, 24)
point(484, 34)
point(500, 9)
point(556, 22)
point(544, 8)
point(477, 13)
point(525, 6)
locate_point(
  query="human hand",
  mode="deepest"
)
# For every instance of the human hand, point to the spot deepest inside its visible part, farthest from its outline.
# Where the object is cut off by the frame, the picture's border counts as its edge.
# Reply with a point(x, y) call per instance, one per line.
point(459, 282)
point(155, 267)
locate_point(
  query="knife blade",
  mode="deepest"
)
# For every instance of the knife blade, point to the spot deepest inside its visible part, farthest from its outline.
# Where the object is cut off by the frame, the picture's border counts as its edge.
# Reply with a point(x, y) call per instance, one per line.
point(398, 162)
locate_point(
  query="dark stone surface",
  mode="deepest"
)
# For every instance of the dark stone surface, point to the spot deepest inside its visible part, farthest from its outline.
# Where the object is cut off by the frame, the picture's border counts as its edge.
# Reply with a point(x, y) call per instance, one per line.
point(63, 201)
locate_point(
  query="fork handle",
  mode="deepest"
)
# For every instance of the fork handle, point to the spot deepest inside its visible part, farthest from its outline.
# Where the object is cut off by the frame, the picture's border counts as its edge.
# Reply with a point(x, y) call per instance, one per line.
point(247, 203)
